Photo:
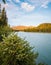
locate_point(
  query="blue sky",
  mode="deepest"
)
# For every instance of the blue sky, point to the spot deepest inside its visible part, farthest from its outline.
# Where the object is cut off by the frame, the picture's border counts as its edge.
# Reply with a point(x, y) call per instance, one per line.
point(28, 12)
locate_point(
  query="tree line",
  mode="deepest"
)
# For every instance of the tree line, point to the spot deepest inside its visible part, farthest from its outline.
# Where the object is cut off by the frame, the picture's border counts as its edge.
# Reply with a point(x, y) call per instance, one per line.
point(45, 27)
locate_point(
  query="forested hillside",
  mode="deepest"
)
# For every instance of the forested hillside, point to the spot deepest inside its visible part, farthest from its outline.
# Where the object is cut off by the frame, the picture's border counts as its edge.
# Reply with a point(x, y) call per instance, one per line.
point(44, 27)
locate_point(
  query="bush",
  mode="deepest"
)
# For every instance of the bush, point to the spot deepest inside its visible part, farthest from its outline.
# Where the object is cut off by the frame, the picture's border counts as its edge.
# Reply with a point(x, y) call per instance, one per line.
point(16, 51)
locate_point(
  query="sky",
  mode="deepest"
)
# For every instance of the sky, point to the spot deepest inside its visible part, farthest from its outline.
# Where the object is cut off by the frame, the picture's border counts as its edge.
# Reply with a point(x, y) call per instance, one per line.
point(28, 12)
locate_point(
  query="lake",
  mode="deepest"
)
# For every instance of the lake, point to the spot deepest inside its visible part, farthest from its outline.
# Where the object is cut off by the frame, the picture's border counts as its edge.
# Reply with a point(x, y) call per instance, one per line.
point(42, 44)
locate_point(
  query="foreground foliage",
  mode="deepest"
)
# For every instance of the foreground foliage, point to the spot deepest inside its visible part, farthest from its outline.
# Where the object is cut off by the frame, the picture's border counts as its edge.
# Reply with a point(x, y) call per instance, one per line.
point(5, 30)
point(16, 51)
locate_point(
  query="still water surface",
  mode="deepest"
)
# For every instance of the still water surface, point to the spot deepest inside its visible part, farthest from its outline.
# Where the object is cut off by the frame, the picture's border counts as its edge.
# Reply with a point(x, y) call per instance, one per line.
point(42, 44)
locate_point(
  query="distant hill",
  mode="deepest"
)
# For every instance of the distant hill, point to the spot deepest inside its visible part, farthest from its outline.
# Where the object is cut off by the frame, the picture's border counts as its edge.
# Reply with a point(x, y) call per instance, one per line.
point(44, 27)
point(19, 28)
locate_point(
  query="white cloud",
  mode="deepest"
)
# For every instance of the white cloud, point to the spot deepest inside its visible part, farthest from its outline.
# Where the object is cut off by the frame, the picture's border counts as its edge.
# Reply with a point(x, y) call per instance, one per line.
point(10, 7)
point(41, 3)
point(45, 4)
point(4, 5)
point(17, 1)
point(27, 6)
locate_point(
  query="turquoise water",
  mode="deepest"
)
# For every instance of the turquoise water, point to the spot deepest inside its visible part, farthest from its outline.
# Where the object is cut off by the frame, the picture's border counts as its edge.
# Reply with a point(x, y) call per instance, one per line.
point(42, 44)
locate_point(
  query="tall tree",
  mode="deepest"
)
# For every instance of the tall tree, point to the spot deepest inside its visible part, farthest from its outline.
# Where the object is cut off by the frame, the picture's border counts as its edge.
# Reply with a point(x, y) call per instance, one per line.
point(3, 18)
point(0, 12)
point(0, 8)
